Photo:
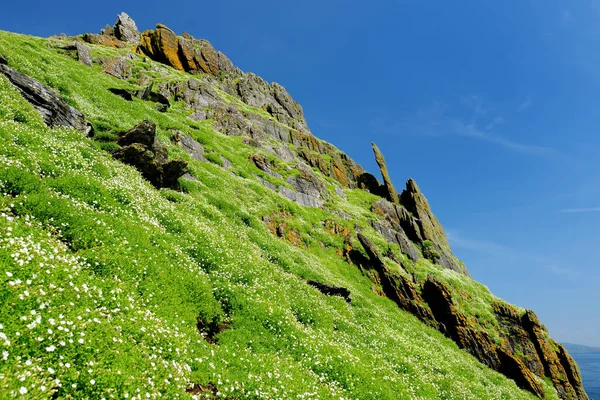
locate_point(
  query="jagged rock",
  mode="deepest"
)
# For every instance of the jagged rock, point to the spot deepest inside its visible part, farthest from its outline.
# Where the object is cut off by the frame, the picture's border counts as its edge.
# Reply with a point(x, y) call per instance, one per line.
point(553, 368)
point(391, 227)
point(186, 142)
point(477, 342)
point(118, 67)
point(443, 257)
point(331, 290)
point(396, 287)
point(514, 368)
point(162, 45)
point(285, 154)
point(303, 199)
point(54, 110)
point(392, 195)
point(83, 53)
point(103, 40)
point(516, 337)
point(265, 165)
point(414, 201)
point(185, 54)
point(143, 150)
point(125, 29)
point(340, 192)
point(572, 370)
point(3, 60)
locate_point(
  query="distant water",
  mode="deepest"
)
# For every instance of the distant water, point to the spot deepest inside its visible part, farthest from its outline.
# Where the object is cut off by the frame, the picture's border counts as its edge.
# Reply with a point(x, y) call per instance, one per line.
point(589, 364)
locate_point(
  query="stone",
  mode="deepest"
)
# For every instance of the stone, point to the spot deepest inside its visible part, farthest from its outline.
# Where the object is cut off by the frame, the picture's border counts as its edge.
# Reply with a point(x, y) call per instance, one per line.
point(125, 29)
point(456, 326)
point(118, 67)
point(3, 60)
point(308, 191)
point(187, 143)
point(161, 45)
point(553, 368)
point(265, 165)
point(396, 287)
point(301, 198)
point(83, 53)
point(392, 195)
point(103, 40)
point(416, 203)
point(226, 163)
point(54, 110)
point(142, 149)
point(331, 290)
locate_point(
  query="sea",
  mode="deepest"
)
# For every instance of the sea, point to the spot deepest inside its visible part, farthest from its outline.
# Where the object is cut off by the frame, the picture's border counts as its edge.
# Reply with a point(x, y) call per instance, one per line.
point(589, 364)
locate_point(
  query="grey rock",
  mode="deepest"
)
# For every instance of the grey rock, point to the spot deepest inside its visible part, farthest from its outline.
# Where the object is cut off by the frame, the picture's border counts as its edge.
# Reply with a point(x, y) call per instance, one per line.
point(190, 177)
point(186, 142)
point(226, 163)
point(125, 29)
point(54, 110)
point(198, 115)
point(301, 198)
point(83, 53)
point(285, 154)
point(340, 192)
point(118, 67)
point(267, 183)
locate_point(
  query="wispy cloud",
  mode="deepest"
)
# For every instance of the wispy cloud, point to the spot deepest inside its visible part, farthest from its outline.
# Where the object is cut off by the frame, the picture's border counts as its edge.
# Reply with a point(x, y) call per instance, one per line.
point(580, 210)
point(525, 105)
point(509, 254)
point(475, 119)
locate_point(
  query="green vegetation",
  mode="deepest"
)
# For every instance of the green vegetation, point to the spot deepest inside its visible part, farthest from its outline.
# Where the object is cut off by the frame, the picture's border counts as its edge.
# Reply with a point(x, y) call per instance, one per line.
point(106, 280)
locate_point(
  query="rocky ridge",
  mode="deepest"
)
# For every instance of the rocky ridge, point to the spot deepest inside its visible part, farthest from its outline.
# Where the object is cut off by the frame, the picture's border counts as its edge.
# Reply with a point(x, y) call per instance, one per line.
point(274, 123)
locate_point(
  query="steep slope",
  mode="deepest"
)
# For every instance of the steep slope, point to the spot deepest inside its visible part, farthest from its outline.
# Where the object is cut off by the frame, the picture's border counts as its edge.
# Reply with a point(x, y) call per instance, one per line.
point(185, 273)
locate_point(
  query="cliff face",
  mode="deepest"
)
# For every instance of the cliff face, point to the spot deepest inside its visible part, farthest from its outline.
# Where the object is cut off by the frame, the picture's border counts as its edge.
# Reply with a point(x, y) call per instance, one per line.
point(271, 123)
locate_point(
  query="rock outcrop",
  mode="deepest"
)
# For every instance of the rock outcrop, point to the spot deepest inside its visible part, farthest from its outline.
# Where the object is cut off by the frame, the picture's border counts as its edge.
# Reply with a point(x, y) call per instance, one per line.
point(392, 195)
point(142, 149)
point(416, 203)
point(125, 29)
point(54, 110)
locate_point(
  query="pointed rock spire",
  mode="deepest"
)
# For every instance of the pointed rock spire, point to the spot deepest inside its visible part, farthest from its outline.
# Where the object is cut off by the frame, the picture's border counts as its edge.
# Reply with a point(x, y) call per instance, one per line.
point(416, 203)
point(125, 29)
point(391, 191)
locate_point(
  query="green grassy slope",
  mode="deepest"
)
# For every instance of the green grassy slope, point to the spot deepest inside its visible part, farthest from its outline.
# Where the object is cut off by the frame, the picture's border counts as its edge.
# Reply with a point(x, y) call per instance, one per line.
point(105, 278)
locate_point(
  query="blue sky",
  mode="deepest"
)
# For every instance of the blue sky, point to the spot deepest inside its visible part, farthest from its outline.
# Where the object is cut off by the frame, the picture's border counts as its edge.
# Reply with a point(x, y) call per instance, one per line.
point(491, 106)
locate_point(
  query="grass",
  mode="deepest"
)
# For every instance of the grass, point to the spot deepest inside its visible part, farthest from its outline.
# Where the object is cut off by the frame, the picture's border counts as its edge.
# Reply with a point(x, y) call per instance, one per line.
point(105, 278)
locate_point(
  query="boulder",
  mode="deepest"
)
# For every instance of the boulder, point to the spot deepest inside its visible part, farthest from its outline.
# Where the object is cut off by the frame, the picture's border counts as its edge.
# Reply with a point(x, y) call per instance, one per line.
point(54, 110)
point(187, 143)
point(142, 149)
point(331, 290)
point(125, 29)
point(83, 53)
point(119, 67)
point(392, 195)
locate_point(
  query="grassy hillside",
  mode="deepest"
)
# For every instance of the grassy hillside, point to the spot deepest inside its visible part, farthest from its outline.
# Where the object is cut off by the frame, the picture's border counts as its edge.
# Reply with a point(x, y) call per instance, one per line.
point(114, 289)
